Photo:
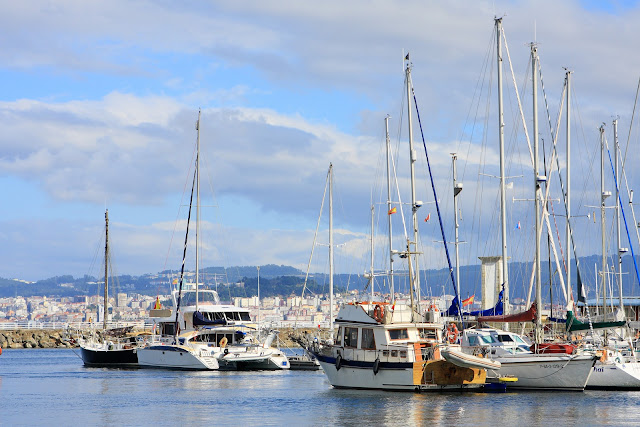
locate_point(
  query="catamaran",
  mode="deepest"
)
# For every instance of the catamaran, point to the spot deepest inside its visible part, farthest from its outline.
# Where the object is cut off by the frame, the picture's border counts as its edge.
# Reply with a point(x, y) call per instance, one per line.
point(202, 333)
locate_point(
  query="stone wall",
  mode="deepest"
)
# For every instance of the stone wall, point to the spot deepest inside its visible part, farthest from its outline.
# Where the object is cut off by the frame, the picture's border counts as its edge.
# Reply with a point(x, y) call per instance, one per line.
point(35, 338)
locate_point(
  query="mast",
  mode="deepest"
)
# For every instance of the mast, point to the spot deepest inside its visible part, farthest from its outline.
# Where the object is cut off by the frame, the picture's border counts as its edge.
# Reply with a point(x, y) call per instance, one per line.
point(258, 299)
point(537, 180)
point(197, 207)
point(503, 197)
point(372, 214)
point(568, 193)
point(391, 287)
point(603, 197)
point(331, 247)
point(414, 205)
point(106, 269)
point(617, 210)
point(457, 188)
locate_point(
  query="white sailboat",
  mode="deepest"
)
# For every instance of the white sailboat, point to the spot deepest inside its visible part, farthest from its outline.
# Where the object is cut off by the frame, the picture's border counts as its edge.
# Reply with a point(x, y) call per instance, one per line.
point(534, 370)
point(214, 336)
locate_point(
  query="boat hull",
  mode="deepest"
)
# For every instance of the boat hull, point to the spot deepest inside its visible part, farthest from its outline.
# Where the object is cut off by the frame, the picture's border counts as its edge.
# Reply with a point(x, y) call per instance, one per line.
point(546, 371)
point(109, 358)
point(400, 376)
point(614, 375)
point(266, 360)
point(175, 357)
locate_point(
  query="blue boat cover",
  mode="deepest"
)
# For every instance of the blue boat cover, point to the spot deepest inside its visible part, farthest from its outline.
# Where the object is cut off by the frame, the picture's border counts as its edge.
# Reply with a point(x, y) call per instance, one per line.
point(200, 320)
point(497, 310)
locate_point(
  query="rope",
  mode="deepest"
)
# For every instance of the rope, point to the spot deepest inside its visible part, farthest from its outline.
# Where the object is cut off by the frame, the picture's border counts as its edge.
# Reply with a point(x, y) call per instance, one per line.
point(435, 197)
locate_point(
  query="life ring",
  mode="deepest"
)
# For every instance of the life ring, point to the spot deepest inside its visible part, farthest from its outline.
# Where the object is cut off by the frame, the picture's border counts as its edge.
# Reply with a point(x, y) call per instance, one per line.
point(223, 342)
point(378, 313)
point(376, 366)
point(338, 362)
point(452, 333)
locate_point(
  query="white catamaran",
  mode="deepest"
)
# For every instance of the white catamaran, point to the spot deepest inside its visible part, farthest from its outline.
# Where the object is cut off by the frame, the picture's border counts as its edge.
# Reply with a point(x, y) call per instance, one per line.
point(213, 335)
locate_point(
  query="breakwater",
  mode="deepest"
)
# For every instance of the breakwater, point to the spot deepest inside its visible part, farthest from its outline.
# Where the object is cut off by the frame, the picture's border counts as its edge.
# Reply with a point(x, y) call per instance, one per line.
point(65, 338)
point(35, 338)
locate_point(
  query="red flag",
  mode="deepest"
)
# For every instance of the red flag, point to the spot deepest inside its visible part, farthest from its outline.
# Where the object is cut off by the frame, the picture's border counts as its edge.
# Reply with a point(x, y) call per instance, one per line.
point(392, 211)
point(427, 218)
point(468, 301)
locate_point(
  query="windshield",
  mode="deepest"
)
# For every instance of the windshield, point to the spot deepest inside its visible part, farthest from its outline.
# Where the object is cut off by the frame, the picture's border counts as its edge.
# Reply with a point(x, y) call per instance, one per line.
point(189, 298)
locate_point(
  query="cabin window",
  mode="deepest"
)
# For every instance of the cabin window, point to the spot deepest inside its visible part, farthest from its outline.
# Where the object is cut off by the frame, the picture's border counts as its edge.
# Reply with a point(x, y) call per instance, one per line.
point(232, 315)
point(504, 338)
point(351, 337)
point(168, 328)
point(216, 315)
point(473, 340)
point(368, 342)
point(520, 340)
point(428, 334)
point(394, 353)
point(338, 336)
point(398, 334)
point(385, 353)
point(403, 353)
point(245, 316)
point(488, 339)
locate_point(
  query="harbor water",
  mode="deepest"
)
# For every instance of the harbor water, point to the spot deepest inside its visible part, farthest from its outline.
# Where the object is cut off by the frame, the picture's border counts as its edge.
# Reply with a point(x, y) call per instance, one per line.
point(52, 387)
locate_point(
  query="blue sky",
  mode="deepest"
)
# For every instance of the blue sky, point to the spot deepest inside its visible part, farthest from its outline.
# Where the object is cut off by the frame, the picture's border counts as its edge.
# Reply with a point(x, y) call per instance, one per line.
point(99, 101)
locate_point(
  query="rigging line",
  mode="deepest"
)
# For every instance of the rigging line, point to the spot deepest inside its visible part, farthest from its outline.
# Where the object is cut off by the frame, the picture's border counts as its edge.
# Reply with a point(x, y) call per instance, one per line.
point(615, 179)
point(315, 237)
point(175, 223)
point(184, 254)
point(515, 86)
point(478, 90)
point(635, 103)
point(481, 167)
point(435, 197)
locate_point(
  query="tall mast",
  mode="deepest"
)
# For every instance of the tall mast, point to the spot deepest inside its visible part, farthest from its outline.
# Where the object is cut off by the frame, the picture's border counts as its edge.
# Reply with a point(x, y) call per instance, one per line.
point(617, 210)
point(503, 197)
point(372, 276)
point(391, 287)
point(197, 208)
point(331, 247)
point(414, 205)
point(457, 188)
point(258, 299)
point(568, 193)
point(534, 70)
point(106, 269)
point(603, 196)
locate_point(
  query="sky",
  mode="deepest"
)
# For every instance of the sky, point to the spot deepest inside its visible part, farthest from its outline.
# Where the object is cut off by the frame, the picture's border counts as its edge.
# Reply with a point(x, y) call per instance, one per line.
point(99, 102)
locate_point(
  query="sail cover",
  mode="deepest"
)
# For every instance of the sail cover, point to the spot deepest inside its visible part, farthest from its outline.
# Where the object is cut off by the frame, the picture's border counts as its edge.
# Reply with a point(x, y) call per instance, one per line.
point(573, 324)
point(493, 311)
point(200, 320)
point(525, 316)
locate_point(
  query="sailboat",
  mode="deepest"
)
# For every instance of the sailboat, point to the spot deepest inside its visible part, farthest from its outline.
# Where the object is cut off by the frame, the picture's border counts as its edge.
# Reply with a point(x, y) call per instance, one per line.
point(204, 334)
point(388, 346)
point(112, 350)
point(534, 368)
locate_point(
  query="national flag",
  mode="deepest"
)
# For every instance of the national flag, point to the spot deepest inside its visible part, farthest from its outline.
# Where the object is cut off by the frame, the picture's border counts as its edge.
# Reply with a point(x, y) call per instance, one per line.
point(392, 211)
point(175, 281)
point(468, 301)
point(157, 305)
point(427, 218)
point(518, 226)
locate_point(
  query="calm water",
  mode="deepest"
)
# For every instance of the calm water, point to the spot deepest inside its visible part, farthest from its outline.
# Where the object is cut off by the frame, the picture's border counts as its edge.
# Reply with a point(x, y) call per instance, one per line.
point(51, 387)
